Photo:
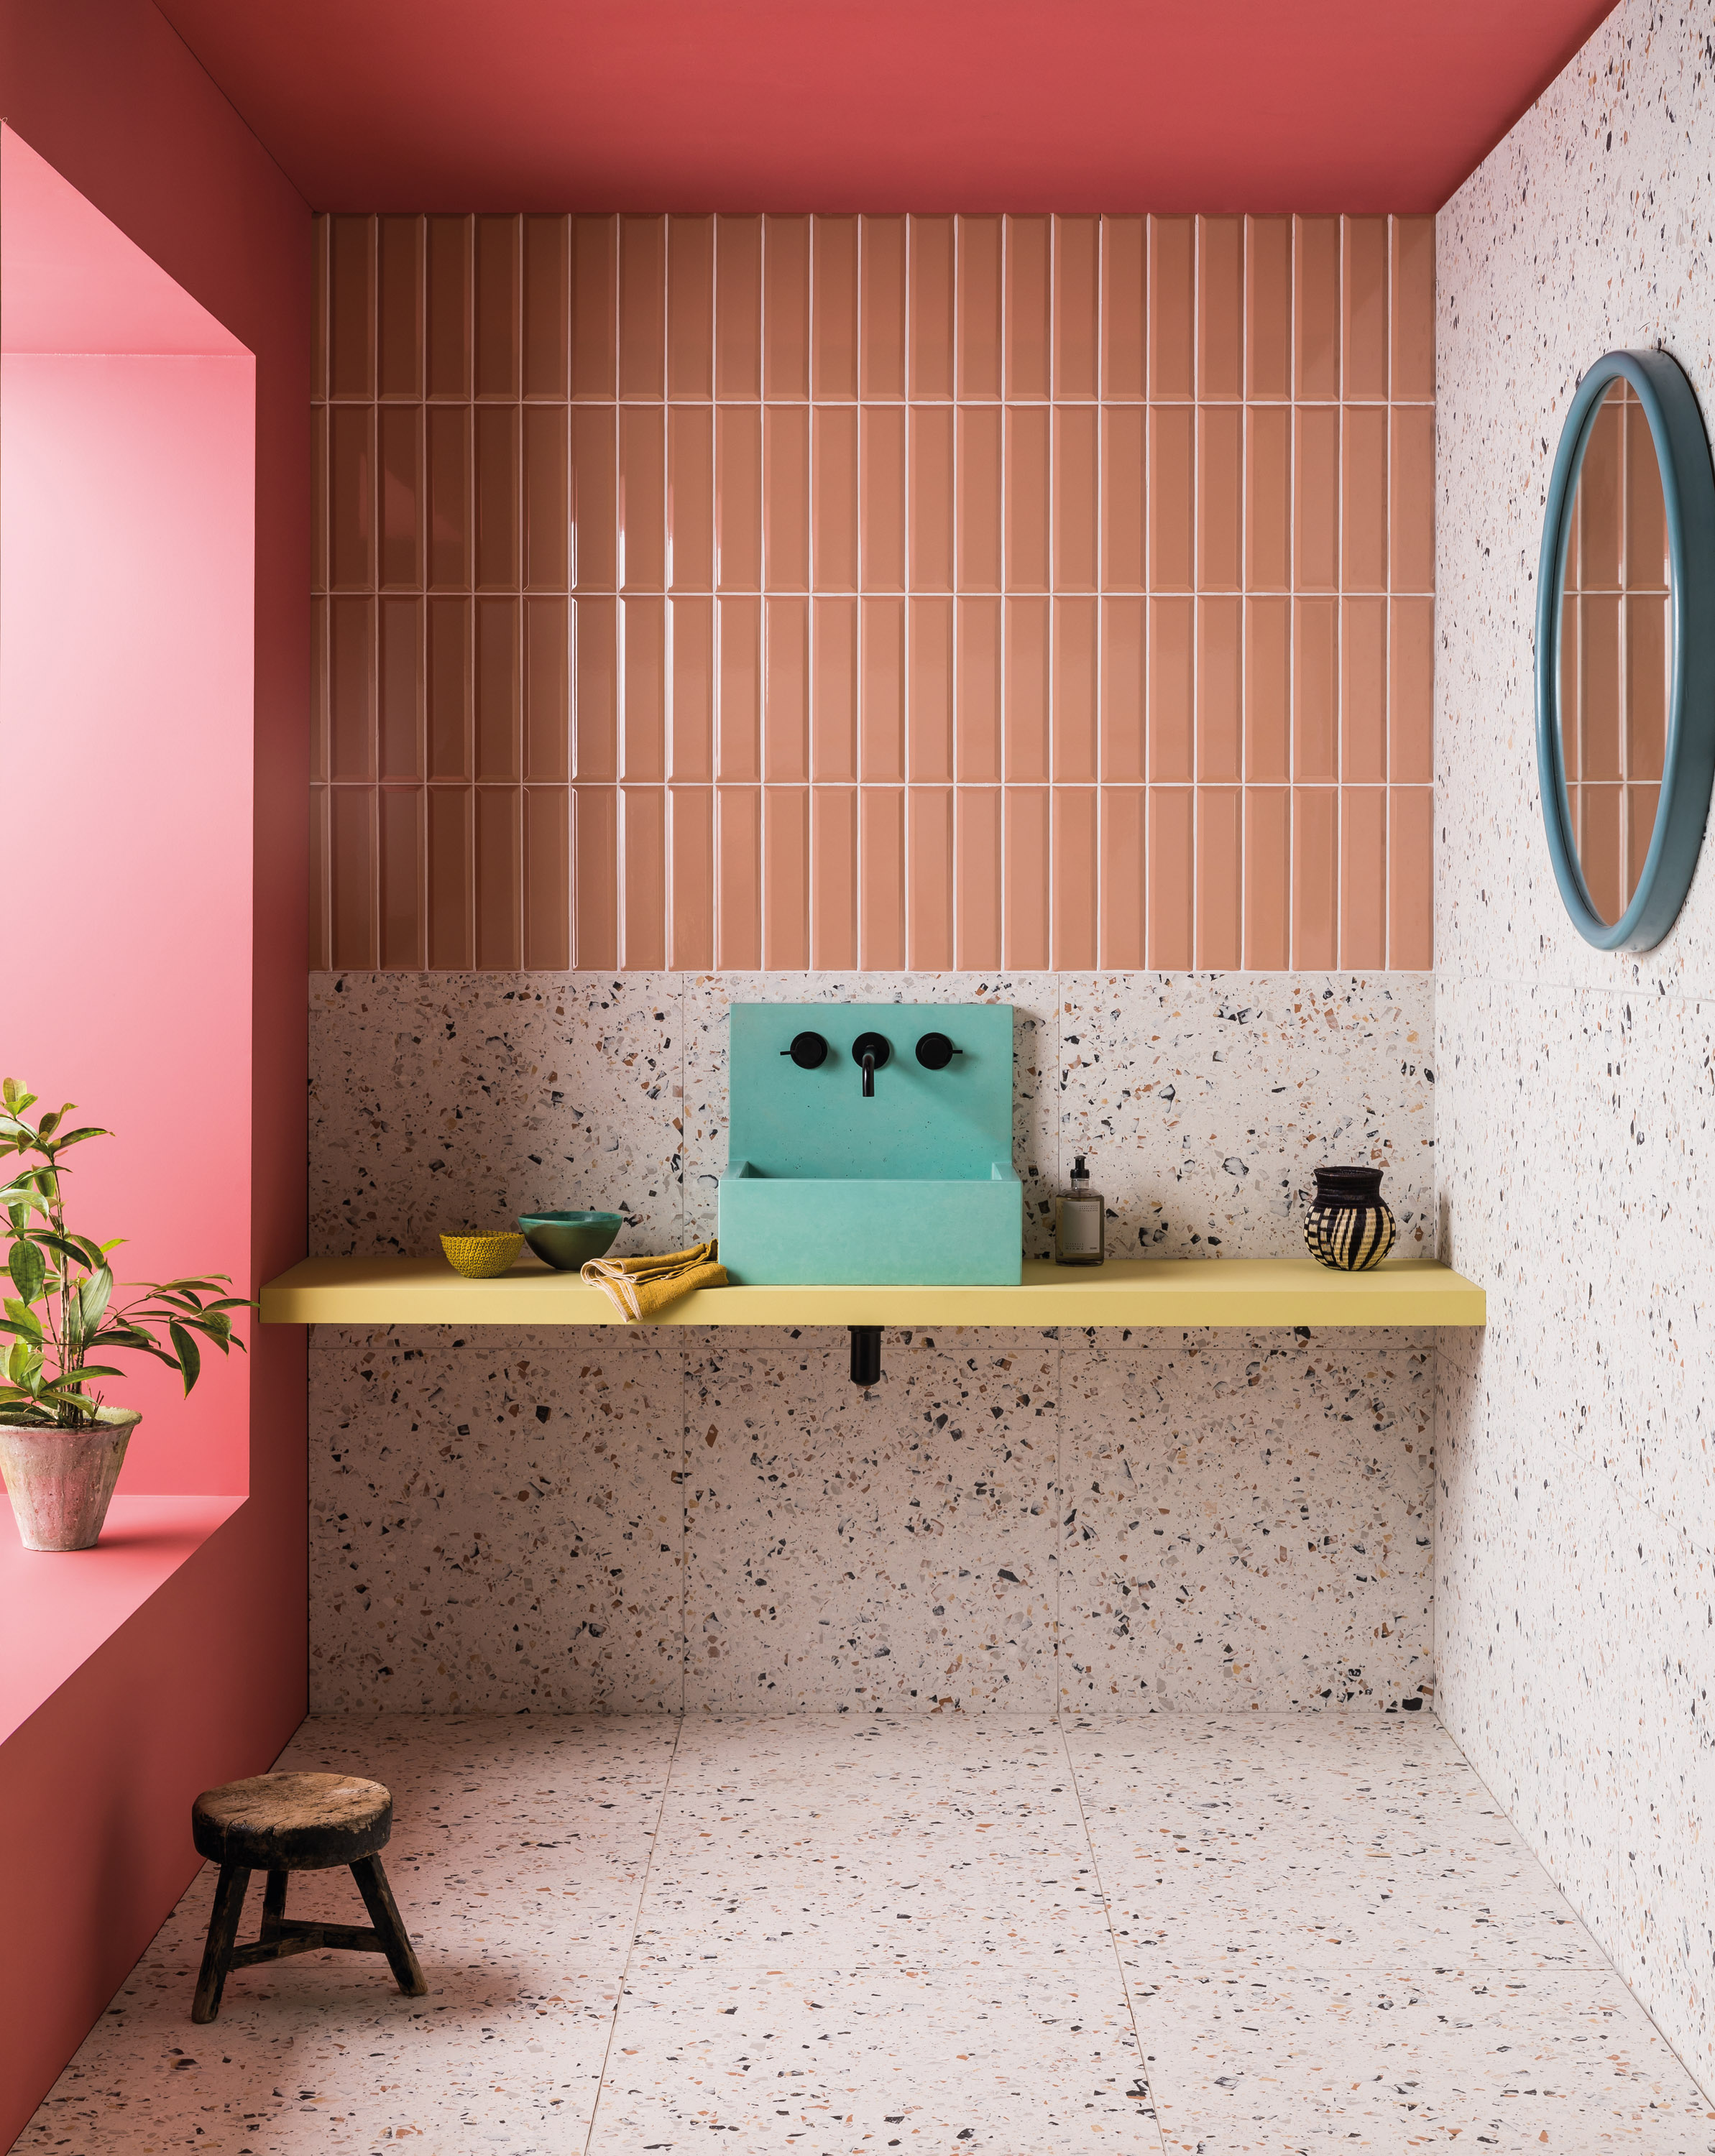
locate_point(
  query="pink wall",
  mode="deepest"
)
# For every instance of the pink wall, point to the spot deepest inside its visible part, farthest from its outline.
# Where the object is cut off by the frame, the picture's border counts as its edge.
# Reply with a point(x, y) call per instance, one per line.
point(207, 1678)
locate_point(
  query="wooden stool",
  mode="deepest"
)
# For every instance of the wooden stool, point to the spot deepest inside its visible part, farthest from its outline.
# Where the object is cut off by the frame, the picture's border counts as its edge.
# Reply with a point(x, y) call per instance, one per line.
point(282, 1823)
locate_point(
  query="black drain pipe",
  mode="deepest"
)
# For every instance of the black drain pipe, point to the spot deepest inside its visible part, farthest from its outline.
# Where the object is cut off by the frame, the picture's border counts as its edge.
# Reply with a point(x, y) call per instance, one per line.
point(866, 1355)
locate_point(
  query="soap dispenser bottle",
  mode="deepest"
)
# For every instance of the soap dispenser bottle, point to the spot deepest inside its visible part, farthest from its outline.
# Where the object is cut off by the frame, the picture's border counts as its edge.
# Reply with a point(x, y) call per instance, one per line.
point(1079, 1223)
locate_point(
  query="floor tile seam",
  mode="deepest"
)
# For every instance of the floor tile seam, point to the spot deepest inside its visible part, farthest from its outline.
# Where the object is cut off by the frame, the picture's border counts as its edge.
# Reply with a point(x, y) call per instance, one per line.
point(1143, 2079)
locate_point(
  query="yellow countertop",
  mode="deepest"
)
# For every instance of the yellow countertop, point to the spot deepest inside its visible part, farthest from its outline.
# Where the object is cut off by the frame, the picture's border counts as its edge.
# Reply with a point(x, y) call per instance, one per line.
point(1125, 1291)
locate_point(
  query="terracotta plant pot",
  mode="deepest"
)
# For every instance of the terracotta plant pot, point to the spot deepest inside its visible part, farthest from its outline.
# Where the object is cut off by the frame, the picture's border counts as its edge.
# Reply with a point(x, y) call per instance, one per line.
point(60, 1481)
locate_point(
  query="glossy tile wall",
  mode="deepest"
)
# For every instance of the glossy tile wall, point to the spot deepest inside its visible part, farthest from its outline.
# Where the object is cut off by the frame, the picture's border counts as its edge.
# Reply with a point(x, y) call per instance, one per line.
point(1575, 1624)
point(812, 593)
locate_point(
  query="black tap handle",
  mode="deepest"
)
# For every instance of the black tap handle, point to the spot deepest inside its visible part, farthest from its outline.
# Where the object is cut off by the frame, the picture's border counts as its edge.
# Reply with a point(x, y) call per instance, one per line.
point(808, 1050)
point(935, 1051)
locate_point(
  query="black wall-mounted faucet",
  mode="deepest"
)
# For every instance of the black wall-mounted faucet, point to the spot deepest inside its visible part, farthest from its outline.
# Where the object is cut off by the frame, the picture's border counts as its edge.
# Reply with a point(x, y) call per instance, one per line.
point(871, 1051)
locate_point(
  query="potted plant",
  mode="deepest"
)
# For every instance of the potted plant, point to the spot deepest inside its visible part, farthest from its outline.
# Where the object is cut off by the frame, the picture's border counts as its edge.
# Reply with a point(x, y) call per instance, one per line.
point(61, 1447)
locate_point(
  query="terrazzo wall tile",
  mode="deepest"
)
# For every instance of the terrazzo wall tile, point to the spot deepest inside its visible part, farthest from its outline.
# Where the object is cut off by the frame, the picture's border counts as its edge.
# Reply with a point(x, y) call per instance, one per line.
point(1245, 1520)
point(1205, 1102)
point(1575, 1641)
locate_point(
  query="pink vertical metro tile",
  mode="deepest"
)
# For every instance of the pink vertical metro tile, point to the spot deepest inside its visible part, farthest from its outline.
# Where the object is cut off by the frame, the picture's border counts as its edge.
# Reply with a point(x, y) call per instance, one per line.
point(319, 639)
point(1078, 856)
point(452, 889)
point(1220, 480)
point(547, 691)
point(350, 689)
point(398, 369)
point(1647, 567)
point(977, 693)
point(1642, 803)
point(595, 675)
point(1316, 306)
point(1123, 823)
point(448, 688)
point(1600, 849)
point(738, 737)
point(1173, 356)
point(351, 298)
point(1413, 309)
point(1220, 678)
point(738, 497)
point(931, 311)
point(351, 839)
point(786, 498)
point(882, 359)
point(1364, 692)
point(547, 878)
point(930, 498)
point(1363, 877)
point(929, 707)
point(1028, 661)
point(882, 879)
point(1122, 497)
point(595, 508)
point(400, 689)
point(738, 307)
point(1024, 894)
point(1411, 879)
point(1221, 306)
point(547, 308)
point(1076, 492)
point(1268, 513)
point(1648, 640)
point(1364, 512)
point(595, 298)
point(1171, 496)
point(1411, 685)
point(691, 755)
point(834, 497)
point(497, 312)
point(1316, 637)
point(404, 941)
point(320, 243)
point(786, 878)
point(1029, 327)
point(1316, 877)
point(1027, 473)
point(500, 880)
point(497, 473)
point(643, 306)
point(1412, 531)
point(738, 879)
point(979, 288)
point(547, 498)
point(1600, 499)
point(1268, 306)
point(690, 307)
point(786, 307)
point(1172, 715)
point(977, 865)
point(1124, 280)
point(977, 506)
point(1364, 294)
point(1315, 498)
point(643, 918)
point(1170, 854)
point(321, 931)
point(351, 497)
point(833, 878)
point(691, 497)
point(785, 692)
point(644, 743)
point(1076, 737)
point(319, 475)
point(1124, 689)
point(881, 449)
point(1268, 878)
point(1077, 323)
point(1220, 854)
point(400, 451)
point(836, 307)
point(882, 736)
point(447, 307)
point(691, 841)
point(1268, 689)
point(929, 898)
point(499, 686)
point(833, 710)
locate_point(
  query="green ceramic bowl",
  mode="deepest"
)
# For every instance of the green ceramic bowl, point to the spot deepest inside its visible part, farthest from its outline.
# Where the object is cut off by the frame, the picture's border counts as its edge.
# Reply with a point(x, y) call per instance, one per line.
point(569, 1239)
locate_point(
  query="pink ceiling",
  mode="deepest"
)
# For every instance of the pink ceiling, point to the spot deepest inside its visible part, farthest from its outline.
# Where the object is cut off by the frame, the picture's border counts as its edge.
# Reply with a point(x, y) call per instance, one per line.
point(783, 105)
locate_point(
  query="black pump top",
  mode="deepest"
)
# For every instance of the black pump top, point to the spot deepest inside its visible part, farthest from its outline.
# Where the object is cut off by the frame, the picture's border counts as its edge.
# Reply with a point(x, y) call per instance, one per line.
point(1080, 1173)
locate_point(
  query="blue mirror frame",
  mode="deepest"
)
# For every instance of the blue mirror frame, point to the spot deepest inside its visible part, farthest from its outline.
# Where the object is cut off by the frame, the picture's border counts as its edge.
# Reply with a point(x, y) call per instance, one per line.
point(1688, 762)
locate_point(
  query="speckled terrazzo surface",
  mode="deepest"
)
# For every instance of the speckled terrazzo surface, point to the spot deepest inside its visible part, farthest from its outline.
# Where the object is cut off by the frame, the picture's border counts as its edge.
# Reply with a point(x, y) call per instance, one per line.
point(1575, 1630)
point(1160, 1934)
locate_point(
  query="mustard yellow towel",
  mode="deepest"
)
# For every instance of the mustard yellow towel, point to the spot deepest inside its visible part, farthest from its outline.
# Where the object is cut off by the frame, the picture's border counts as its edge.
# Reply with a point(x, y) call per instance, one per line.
point(641, 1288)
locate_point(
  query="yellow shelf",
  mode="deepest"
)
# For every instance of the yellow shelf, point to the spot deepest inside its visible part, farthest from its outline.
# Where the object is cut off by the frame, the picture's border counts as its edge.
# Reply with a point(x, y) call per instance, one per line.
point(1128, 1292)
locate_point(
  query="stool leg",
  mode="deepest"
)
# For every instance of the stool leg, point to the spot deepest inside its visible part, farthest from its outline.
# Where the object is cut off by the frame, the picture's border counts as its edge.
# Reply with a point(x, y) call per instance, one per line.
point(223, 1935)
point(273, 1903)
point(384, 1915)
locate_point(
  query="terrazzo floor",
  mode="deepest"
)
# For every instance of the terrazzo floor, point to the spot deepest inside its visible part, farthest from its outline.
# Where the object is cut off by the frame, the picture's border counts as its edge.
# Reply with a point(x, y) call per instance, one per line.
point(942, 1935)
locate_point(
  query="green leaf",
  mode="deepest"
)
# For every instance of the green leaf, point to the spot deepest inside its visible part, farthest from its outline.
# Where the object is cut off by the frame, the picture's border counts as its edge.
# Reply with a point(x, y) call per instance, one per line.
point(50, 1123)
point(72, 1249)
point(190, 1355)
point(24, 1321)
point(77, 1137)
point(93, 1297)
point(29, 1270)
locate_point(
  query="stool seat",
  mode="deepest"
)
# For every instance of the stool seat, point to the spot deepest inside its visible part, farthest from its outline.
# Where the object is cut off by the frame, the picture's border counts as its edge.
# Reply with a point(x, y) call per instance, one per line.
point(292, 1822)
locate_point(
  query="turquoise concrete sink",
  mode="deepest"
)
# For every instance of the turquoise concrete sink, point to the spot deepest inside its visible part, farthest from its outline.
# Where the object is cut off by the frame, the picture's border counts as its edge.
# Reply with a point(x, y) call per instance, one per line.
point(913, 1184)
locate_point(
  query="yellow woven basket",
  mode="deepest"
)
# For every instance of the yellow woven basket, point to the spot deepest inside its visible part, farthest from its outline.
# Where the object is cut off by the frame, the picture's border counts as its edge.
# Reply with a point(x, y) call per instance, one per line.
point(481, 1257)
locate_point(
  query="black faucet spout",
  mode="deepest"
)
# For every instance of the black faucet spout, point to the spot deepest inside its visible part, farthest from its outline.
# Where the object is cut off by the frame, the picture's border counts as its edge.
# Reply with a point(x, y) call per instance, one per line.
point(869, 1075)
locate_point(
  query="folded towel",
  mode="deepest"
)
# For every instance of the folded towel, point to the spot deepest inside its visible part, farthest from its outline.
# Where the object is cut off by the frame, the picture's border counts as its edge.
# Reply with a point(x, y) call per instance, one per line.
point(641, 1288)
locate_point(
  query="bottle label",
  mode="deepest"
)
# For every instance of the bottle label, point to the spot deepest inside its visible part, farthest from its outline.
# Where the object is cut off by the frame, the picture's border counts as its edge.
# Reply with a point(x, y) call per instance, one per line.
point(1080, 1227)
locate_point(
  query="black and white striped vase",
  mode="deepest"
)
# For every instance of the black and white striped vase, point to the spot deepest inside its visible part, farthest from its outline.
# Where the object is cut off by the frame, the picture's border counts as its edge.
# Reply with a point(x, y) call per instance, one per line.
point(1349, 1225)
